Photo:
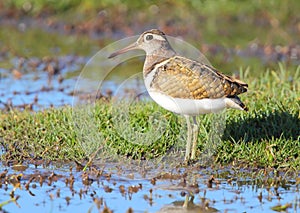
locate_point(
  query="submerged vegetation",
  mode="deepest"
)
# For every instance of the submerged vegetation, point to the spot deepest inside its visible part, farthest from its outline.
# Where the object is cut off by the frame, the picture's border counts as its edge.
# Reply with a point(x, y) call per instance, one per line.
point(267, 136)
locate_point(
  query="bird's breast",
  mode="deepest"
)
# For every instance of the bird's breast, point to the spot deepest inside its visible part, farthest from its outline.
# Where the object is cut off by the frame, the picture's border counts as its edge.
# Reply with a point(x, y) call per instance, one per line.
point(188, 106)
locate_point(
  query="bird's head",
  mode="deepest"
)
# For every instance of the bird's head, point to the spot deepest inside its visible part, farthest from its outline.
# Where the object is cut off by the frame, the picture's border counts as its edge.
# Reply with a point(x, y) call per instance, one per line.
point(153, 42)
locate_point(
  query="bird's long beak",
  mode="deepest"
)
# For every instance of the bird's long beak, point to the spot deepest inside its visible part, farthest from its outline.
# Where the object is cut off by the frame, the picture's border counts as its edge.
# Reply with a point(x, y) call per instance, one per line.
point(124, 50)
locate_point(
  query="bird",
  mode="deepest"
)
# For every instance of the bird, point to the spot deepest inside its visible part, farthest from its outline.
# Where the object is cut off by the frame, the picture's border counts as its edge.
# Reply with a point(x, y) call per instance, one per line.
point(184, 86)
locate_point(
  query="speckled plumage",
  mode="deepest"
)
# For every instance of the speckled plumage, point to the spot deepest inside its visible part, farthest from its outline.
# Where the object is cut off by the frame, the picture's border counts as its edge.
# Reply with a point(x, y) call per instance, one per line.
point(184, 86)
point(180, 77)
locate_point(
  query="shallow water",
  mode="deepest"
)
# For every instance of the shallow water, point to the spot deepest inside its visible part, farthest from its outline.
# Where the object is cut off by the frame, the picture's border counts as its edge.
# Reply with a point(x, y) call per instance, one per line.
point(37, 89)
point(120, 188)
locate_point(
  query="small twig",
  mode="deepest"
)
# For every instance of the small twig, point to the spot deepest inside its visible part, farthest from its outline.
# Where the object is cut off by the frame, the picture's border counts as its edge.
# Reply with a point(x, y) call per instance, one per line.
point(14, 199)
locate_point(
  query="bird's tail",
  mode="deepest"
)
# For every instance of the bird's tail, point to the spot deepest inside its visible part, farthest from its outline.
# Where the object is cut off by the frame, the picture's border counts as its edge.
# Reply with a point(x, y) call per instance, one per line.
point(235, 103)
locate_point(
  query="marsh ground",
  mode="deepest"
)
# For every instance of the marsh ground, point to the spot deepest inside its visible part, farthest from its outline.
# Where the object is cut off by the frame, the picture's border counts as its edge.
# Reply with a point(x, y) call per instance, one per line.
point(68, 157)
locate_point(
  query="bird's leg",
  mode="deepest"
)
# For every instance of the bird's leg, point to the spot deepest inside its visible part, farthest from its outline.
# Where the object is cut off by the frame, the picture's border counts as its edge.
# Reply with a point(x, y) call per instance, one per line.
point(189, 138)
point(195, 130)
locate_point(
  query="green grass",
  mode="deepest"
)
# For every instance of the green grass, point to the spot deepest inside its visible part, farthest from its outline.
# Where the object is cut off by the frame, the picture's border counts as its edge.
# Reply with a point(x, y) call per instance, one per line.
point(36, 43)
point(267, 136)
point(228, 22)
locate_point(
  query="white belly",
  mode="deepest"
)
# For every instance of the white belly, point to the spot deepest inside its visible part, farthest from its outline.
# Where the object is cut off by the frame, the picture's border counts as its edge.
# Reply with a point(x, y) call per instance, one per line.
point(188, 106)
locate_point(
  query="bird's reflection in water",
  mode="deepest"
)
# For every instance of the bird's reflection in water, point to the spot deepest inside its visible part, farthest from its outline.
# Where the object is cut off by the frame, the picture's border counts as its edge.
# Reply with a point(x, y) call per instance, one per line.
point(188, 206)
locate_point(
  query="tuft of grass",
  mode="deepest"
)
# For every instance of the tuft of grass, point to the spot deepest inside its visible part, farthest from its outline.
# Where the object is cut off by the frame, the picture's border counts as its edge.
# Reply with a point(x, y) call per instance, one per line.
point(267, 136)
point(46, 134)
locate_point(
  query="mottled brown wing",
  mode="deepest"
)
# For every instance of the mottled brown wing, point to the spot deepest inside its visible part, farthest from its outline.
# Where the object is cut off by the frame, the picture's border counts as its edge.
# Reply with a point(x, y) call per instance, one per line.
point(180, 77)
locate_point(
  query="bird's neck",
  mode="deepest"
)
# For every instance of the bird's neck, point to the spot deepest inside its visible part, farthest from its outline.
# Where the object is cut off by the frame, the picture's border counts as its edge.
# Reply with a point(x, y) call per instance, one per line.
point(155, 58)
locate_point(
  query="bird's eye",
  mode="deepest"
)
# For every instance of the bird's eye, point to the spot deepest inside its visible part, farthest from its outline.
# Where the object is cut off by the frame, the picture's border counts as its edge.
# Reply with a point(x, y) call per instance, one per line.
point(149, 37)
